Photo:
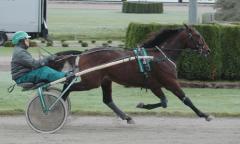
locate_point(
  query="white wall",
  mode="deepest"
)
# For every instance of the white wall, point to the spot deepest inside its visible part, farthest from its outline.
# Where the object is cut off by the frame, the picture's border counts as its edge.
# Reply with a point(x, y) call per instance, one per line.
point(18, 15)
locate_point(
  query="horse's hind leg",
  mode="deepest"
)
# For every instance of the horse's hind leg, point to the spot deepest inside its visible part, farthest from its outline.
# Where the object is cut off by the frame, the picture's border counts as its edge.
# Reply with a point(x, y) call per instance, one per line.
point(175, 89)
point(107, 99)
point(159, 93)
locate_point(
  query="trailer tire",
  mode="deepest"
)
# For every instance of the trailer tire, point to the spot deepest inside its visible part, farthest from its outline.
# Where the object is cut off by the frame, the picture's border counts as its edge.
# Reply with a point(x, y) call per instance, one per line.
point(3, 38)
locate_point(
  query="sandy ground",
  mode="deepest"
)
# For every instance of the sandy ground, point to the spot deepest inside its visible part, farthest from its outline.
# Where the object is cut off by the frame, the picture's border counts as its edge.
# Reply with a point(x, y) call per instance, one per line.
point(109, 130)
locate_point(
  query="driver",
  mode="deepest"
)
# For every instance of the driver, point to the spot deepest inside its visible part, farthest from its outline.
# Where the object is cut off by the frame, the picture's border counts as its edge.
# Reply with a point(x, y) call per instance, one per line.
point(25, 69)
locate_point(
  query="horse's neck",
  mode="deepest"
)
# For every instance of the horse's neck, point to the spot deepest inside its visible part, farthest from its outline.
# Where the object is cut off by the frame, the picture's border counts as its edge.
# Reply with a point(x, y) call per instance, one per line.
point(173, 47)
point(67, 63)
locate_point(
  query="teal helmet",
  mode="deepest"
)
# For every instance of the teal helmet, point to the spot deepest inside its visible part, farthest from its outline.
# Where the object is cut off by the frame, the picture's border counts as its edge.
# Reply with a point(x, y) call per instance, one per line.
point(19, 36)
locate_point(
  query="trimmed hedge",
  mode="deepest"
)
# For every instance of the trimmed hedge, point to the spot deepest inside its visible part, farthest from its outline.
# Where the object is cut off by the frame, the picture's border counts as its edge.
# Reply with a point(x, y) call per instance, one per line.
point(230, 44)
point(223, 62)
point(8, 44)
point(33, 43)
point(142, 7)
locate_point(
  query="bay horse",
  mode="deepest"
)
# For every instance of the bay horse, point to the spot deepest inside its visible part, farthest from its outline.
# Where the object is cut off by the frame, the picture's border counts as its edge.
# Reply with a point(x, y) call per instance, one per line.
point(163, 72)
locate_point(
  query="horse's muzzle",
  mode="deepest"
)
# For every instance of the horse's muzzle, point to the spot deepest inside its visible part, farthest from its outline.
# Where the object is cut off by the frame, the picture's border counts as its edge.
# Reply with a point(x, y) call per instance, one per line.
point(205, 53)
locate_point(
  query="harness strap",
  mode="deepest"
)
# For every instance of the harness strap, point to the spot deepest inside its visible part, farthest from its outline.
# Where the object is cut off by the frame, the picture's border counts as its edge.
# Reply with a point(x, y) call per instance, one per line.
point(136, 52)
point(144, 64)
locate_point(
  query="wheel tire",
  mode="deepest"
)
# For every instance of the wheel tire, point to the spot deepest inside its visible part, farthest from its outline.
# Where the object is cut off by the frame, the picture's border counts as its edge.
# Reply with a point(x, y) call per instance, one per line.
point(3, 38)
point(58, 92)
point(50, 122)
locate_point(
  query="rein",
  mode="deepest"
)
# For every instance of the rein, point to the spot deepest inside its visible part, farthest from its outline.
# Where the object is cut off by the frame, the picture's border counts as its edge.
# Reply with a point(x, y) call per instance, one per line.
point(47, 51)
point(166, 49)
point(170, 49)
point(63, 57)
point(66, 57)
point(164, 57)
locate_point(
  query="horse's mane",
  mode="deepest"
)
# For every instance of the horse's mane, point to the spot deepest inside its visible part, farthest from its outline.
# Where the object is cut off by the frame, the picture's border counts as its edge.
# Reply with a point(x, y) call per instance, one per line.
point(157, 38)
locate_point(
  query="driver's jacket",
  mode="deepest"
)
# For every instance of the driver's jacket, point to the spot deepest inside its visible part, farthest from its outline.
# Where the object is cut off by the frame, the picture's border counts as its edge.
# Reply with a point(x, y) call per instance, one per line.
point(23, 62)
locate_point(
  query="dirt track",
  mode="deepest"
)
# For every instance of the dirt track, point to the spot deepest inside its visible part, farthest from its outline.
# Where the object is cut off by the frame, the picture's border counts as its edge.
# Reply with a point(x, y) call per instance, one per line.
point(109, 130)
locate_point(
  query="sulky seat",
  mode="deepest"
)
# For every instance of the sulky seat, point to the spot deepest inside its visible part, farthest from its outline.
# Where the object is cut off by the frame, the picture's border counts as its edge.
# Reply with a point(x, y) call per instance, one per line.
point(30, 86)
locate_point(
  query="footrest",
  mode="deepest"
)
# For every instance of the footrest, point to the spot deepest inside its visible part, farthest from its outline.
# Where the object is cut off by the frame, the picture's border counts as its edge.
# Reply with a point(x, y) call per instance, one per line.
point(26, 85)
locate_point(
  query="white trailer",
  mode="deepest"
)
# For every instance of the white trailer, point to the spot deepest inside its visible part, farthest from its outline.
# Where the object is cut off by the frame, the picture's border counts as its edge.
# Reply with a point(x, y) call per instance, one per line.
point(23, 15)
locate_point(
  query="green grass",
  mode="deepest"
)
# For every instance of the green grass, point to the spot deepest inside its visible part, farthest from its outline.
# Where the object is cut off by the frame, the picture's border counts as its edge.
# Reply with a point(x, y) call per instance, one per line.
point(102, 24)
point(220, 102)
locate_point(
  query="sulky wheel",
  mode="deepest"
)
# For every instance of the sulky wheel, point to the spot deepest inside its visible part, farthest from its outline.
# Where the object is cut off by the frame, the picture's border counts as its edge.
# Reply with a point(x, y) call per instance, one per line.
point(46, 122)
point(58, 92)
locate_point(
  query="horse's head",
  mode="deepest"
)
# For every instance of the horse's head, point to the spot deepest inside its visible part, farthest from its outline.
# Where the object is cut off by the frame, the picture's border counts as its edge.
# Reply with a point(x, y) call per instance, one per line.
point(173, 41)
point(195, 41)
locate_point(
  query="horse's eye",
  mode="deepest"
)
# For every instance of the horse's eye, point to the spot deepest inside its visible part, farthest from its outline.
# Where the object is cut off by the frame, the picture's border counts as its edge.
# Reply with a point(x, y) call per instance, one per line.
point(197, 36)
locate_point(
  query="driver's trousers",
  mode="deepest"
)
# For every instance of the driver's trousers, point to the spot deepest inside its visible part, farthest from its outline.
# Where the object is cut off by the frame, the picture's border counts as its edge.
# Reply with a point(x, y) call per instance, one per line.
point(42, 74)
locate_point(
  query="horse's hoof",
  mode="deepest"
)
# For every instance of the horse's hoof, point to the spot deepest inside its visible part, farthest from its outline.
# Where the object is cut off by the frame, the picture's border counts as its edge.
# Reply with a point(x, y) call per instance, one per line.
point(164, 105)
point(209, 118)
point(130, 121)
point(140, 105)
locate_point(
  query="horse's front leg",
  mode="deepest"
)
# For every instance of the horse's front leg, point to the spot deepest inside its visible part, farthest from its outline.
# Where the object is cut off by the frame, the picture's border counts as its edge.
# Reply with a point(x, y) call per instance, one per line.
point(159, 93)
point(175, 89)
point(107, 99)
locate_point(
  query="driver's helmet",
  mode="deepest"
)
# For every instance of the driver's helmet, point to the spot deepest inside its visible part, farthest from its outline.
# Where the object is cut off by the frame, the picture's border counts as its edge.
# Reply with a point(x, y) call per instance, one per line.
point(19, 35)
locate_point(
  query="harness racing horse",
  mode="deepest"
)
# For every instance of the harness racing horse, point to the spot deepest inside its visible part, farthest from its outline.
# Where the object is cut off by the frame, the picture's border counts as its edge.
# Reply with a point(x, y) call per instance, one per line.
point(163, 72)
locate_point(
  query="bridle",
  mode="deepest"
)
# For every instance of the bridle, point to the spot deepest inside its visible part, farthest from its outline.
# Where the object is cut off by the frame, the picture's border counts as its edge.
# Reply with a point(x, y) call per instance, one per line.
point(198, 46)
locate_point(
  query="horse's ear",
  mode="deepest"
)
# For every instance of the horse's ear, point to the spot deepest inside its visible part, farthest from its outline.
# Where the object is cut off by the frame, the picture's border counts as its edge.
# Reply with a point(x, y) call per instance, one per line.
point(186, 26)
